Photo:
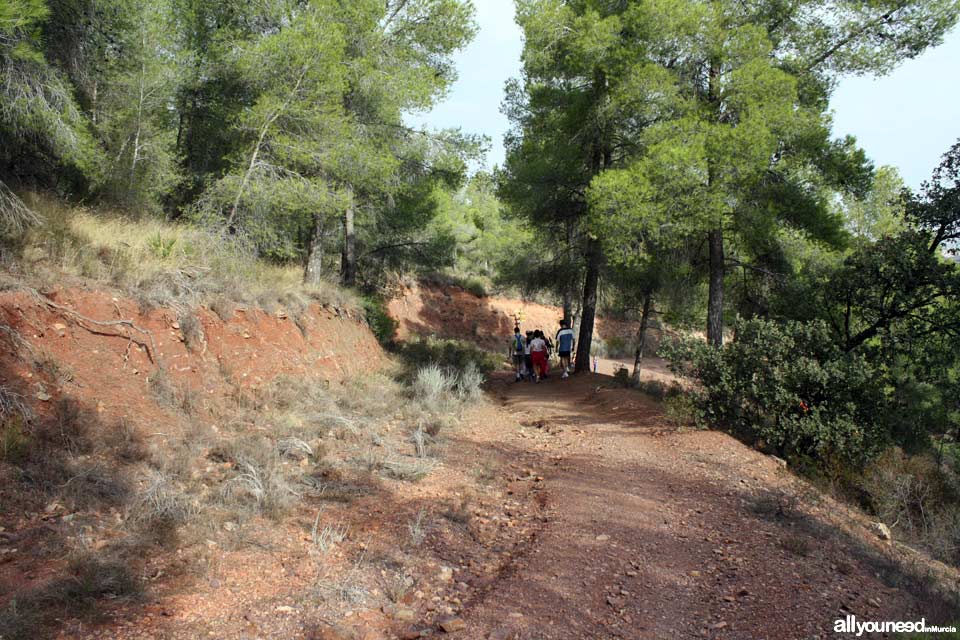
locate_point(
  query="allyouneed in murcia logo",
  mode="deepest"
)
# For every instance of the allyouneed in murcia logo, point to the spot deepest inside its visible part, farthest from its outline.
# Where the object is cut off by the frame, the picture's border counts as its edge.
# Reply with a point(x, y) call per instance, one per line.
point(850, 624)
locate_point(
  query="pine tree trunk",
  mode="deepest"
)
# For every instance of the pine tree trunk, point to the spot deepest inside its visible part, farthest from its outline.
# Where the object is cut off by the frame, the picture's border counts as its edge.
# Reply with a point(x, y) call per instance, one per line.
point(642, 336)
point(348, 261)
point(569, 292)
point(313, 272)
point(590, 286)
point(715, 297)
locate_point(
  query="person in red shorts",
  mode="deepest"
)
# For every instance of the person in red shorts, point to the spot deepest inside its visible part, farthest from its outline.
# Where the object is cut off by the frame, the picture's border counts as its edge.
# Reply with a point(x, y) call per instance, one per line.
point(538, 354)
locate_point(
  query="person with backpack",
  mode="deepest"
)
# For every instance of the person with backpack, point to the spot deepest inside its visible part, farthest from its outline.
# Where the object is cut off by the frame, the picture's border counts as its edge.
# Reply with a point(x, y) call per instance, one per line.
point(565, 342)
point(518, 347)
point(527, 358)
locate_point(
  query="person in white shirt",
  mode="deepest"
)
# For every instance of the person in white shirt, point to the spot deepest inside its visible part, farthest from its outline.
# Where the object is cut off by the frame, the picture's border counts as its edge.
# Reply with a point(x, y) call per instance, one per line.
point(538, 355)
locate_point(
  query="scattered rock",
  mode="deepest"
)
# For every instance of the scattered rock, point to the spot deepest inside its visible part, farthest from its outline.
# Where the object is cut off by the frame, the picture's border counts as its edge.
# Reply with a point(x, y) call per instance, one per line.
point(451, 624)
point(882, 531)
point(405, 615)
point(780, 462)
point(603, 537)
point(335, 632)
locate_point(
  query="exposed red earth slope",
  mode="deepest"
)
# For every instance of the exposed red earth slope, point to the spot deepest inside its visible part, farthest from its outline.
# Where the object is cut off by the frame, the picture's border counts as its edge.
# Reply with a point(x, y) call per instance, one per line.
point(568, 510)
point(451, 312)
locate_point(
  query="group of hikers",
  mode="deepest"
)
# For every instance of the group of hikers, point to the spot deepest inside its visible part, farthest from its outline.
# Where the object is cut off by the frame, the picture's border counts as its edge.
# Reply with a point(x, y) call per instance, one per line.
point(532, 351)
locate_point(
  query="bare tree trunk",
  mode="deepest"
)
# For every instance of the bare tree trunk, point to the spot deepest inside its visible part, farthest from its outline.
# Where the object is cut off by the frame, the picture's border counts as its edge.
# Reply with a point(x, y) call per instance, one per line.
point(591, 285)
point(642, 336)
point(569, 293)
point(136, 139)
point(314, 269)
point(715, 236)
point(348, 260)
point(715, 298)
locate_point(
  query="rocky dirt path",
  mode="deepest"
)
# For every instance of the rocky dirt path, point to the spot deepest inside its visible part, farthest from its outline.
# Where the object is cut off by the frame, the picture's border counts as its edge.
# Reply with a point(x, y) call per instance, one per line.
point(657, 533)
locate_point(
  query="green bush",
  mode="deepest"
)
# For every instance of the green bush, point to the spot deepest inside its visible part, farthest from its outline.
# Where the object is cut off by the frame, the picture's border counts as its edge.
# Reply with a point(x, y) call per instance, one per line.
point(382, 324)
point(618, 347)
point(452, 354)
point(789, 389)
point(476, 286)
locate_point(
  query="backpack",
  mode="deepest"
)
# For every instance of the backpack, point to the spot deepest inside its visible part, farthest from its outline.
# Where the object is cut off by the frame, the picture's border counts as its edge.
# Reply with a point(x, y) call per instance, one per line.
point(518, 342)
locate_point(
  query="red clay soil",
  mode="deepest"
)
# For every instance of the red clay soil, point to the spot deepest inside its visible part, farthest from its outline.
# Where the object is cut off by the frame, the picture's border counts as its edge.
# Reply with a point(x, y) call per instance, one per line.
point(660, 533)
point(604, 521)
point(563, 510)
point(50, 356)
point(451, 312)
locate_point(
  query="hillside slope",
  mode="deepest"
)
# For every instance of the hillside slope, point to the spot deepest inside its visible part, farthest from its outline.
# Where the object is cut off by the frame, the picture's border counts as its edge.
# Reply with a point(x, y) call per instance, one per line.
point(444, 311)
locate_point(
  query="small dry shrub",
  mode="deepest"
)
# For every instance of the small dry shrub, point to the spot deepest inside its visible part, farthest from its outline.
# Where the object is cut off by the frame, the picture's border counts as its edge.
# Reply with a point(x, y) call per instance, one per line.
point(258, 480)
point(798, 545)
point(14, 442)
point(418, 528)
point(224, 307)
point(88, 579)
point(70, 428)
point(192, 330)
point(408, 469)
point(396, 585)
point(124, 441)
point(54, 370)
point(339, 484)
point(159, 509)
point(918, 499)
point(169, 394)
point(94, 484)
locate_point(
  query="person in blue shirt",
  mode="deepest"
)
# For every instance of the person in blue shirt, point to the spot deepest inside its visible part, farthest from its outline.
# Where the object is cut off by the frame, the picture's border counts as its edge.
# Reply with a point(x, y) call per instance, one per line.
point(565, 342)
point(518, 345)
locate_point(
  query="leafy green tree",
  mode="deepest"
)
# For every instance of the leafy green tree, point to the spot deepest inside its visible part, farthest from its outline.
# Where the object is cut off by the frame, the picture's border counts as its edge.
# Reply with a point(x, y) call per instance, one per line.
point(880, 212)
point(277, 180)
point(40, 121)
point(134, 114)
point(475, 218)
point(397, 59)
point(710, 118)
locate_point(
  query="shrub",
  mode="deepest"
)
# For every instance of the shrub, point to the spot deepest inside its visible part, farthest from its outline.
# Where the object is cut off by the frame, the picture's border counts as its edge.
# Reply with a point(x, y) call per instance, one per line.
point(382, 324)
point(453, 354)
point(786, 387)
point(476, 286)
point(618, 347)
point(13, 441)
point(681, 411)
point(433, 385)
point(470, 382)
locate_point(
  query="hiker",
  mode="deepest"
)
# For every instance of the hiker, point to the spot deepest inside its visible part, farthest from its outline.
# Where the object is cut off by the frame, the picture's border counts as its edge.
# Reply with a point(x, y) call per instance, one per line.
point(538, 355)
point(527, 358)
point(518, 346)
point(546, 364)
point(565, 342)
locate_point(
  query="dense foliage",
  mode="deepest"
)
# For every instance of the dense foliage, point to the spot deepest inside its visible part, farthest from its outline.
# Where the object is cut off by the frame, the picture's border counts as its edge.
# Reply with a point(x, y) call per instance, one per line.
point(867, 355)
point(280, 123)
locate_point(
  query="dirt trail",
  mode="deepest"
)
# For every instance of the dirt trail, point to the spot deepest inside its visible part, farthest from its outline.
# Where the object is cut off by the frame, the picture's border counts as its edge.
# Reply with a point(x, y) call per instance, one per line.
point(655, 533)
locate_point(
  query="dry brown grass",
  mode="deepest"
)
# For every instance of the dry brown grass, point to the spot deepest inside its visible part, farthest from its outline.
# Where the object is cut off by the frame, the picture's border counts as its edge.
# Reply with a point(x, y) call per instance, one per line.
point(161, 263)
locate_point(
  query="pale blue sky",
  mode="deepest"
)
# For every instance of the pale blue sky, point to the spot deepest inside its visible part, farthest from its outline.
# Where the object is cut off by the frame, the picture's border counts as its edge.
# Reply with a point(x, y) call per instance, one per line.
point(907, 119)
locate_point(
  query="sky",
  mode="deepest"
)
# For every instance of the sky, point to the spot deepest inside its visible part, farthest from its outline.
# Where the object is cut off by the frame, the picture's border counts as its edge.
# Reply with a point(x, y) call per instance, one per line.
point(907, 119)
